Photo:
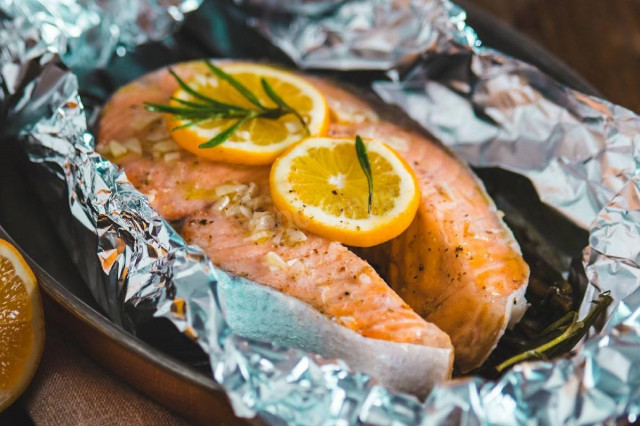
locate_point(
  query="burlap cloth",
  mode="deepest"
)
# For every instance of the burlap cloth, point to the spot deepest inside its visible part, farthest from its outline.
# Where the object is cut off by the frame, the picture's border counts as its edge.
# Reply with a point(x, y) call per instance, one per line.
point(70, 389)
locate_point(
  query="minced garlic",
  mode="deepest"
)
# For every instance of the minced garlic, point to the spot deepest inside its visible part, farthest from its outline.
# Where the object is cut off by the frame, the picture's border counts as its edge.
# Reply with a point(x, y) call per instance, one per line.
point(116, 149)
point(275, 263)
point(245, 202)
point(171, 156)
point(364, 279)
point(165, 146)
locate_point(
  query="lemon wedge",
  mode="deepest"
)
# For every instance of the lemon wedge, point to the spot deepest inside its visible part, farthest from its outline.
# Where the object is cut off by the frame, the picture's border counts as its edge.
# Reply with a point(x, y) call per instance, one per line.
point(259, 140)
point(21, 324)
point(320, 185)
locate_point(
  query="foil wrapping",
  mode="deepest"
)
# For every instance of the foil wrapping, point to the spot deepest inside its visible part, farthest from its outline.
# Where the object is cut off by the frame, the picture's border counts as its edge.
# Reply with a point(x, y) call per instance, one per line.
point(579, 151)
point(491, 109)
point(86, 33)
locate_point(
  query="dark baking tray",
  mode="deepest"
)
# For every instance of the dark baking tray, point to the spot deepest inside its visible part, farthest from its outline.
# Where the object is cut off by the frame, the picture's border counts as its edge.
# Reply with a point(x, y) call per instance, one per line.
point(163, 371)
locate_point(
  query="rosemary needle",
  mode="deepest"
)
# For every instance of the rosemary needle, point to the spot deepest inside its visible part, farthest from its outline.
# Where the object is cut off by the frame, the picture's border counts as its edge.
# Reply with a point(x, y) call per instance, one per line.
point(205, 108)
point(363, 159)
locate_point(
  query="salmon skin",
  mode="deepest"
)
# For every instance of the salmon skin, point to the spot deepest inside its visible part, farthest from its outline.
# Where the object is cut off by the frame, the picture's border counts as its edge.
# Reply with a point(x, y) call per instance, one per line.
point(457, 268)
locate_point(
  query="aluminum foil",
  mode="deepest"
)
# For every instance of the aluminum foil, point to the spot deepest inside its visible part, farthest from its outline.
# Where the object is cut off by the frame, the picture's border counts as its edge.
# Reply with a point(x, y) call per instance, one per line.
point(578, 150)
point(491, 109)
point(86, 33)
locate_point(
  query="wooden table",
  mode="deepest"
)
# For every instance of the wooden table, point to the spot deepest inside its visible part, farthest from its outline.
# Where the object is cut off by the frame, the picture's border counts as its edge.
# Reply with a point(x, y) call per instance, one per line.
point(600, 39)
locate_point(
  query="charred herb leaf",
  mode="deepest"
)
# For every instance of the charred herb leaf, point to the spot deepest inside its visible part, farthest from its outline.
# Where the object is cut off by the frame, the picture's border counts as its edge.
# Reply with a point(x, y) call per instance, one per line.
point(561, 336)
point(204, 108)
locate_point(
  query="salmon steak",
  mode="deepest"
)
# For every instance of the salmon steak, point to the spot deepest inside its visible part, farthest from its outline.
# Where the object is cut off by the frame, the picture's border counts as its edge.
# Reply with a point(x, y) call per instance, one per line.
point(450, 284)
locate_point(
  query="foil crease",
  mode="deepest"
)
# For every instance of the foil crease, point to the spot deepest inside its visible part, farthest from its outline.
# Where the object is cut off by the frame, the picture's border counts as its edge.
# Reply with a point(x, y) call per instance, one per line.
point(489, 108)
point(584, 163)
point(86, 33)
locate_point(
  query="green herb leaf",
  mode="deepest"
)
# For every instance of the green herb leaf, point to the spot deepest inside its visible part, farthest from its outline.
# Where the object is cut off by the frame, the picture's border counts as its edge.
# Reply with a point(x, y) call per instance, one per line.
point(205, 108)
point(177, 110)
point(561, 336)
point(190, 123)
point(236, 84)
point(191, 90)
point(363, 159)
point(282, 104)
point(191, 104)
point(170, 109)
point(212, 103)
point(225, 134)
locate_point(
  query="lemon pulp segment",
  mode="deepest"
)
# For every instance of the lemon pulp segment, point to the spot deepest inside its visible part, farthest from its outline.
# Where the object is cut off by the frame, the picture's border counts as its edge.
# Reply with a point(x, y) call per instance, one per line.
point(320, 184)
point(333, 180)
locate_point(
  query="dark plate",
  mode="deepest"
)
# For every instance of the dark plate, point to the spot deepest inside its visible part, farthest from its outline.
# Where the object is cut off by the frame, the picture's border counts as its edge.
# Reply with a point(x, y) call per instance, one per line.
point(174, 383)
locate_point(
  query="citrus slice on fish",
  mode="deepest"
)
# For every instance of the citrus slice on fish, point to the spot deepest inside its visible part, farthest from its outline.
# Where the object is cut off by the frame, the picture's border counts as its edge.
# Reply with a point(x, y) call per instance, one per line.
point(258, 140)
point(21, 324)
point(321, 186)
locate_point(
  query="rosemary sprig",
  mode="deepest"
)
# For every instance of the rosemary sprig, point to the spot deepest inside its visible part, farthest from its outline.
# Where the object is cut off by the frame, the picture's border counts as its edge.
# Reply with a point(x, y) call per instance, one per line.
point(561, 336)
point(225, 134)
point(363, 159)
point(282, 104)
point(204, 108)
point(235, 83)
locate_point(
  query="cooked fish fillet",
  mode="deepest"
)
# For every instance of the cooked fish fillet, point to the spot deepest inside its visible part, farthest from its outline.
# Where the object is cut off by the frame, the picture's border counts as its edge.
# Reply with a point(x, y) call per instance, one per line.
point(457, 266)
point(323, 274)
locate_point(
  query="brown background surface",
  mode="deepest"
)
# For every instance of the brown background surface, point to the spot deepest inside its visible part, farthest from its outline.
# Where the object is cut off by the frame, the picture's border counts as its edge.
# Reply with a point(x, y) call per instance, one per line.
point(70, 389)
point(600, 39)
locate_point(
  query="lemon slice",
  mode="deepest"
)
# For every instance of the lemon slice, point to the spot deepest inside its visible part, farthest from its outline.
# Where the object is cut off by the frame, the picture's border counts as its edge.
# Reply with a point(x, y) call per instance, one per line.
point(260, 140)
point(21, 324)
point(320, 184)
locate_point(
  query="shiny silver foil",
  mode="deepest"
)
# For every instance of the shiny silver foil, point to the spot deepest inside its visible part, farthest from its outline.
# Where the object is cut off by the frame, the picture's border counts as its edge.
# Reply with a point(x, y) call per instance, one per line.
point(579, 151)
point(86, 33)
point(491, 109)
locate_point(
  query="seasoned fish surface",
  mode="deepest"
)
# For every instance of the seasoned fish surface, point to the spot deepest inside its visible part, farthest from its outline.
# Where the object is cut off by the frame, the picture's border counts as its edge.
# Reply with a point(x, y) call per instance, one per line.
point(457, 266)
point(324, 274)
